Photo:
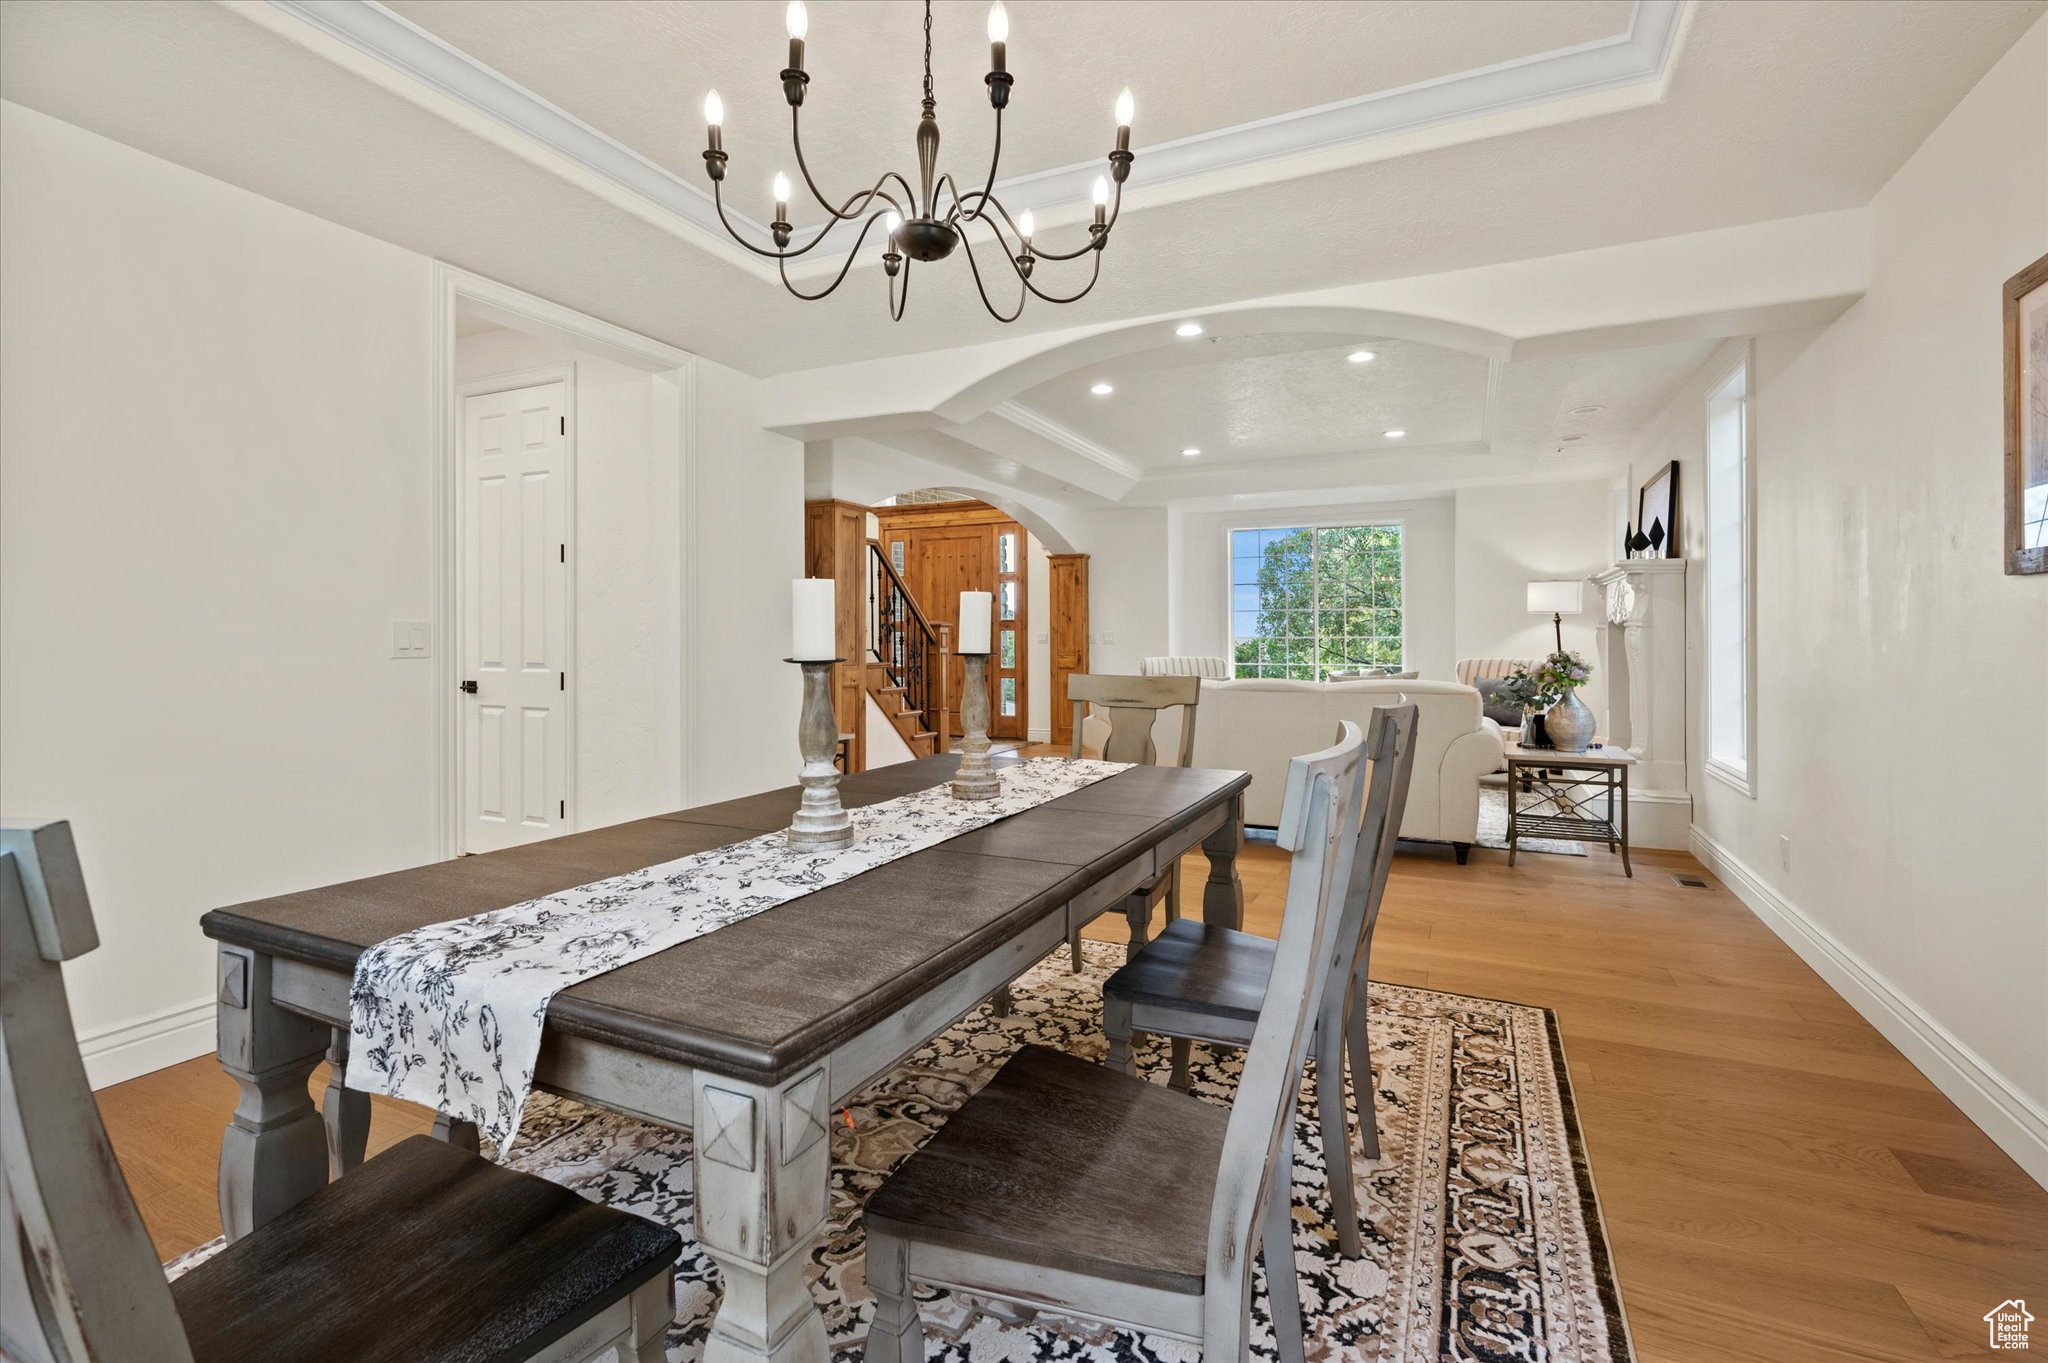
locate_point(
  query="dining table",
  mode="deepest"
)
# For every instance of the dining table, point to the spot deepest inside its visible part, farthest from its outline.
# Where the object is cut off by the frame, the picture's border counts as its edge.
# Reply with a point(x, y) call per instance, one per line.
point(750, 1037)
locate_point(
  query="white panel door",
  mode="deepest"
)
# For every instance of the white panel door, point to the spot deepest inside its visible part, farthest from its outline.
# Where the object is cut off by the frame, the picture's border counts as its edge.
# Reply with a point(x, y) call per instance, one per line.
point(515, 751)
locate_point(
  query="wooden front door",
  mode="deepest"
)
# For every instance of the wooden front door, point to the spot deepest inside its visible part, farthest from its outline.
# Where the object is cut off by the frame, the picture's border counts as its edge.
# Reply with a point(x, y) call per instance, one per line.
point(942, 549)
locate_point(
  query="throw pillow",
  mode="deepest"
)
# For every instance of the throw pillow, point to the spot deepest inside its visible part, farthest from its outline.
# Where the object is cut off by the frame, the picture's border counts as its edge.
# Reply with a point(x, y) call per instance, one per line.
point(1507, 716)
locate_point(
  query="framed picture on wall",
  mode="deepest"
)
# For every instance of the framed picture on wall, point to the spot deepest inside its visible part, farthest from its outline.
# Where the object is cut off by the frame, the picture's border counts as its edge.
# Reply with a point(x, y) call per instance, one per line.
point(2026, 420)
point(1657, 512)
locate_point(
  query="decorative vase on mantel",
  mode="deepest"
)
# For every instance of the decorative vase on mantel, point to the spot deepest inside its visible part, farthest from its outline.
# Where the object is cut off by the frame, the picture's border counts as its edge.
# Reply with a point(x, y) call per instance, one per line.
point(1569, 723)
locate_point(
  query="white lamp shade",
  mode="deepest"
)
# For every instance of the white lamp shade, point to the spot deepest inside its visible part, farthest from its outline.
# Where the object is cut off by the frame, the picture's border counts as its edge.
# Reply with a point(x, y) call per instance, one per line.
point(1557, 598)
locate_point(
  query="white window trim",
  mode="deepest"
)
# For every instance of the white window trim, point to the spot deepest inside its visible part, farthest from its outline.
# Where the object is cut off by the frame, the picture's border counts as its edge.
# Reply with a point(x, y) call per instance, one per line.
point(1396, 521)
point(1744, 778)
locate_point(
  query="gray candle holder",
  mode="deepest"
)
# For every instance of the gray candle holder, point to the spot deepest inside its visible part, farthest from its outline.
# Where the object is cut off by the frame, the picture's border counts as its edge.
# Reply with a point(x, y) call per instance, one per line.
point(976, 778)
point(821, 823)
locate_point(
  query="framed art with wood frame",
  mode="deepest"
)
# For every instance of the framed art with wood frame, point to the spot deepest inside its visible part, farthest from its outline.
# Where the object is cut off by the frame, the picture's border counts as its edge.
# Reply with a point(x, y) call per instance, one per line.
point(2026, 420)
point(1657, 508)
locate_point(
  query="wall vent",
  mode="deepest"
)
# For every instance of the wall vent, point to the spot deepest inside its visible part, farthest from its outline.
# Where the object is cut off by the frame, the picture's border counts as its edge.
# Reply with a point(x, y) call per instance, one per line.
point(1688, 880)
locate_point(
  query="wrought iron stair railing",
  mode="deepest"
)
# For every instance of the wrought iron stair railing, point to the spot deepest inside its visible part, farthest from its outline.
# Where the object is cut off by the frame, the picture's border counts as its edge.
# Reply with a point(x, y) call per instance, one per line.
point(911, 650)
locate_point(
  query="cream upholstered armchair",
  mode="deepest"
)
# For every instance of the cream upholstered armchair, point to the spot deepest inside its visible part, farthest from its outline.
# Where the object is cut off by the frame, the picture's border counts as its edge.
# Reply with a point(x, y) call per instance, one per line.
point(1257, 725)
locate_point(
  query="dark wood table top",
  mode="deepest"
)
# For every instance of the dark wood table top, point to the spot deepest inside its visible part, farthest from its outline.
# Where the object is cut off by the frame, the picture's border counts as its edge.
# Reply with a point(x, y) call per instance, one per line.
point(762, 997)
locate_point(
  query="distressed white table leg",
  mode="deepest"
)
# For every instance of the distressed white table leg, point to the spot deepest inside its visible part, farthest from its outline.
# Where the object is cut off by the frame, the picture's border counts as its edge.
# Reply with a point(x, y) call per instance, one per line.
point(345, 1110)
point(1223, 895)
point(273, 1154)
point(763, 1171)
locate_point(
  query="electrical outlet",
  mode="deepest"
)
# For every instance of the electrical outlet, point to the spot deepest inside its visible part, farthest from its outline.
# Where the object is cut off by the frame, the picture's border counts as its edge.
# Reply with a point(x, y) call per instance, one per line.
point(411, 639)
point(1105, 638)
point(1785, 851)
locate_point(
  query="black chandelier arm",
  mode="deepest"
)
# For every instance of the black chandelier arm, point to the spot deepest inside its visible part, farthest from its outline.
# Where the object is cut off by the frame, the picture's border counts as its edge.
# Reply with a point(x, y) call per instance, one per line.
point(1094, 273)
point(847, 210)
point(782, 265)
point(896, 305)
point(718, 199)
point(982, 289)
point(988, 187)
point(1096, 241)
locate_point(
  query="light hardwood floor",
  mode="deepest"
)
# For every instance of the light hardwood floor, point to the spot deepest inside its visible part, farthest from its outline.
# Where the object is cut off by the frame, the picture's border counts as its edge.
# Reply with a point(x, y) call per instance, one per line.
point(1779, 1185)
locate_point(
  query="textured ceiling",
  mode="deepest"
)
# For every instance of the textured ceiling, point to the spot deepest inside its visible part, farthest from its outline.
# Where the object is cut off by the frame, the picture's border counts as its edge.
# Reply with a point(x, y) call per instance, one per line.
point(1772, 110)
point(1245, 398)
point(1250, 402)
point(638, 71)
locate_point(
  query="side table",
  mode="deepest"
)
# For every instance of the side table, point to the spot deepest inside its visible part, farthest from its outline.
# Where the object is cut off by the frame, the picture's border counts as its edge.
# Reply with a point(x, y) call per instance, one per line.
point(1568, 789)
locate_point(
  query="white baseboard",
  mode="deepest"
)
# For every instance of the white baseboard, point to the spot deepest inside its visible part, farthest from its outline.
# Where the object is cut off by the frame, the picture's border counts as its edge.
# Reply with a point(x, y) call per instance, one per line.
point(150, 1042)
point(1038, 735)
point(2014, 1121)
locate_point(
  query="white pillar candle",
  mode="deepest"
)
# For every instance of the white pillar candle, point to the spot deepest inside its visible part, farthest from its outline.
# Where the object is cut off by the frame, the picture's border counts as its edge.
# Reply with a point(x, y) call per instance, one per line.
point(814, 636)
point(977, 610)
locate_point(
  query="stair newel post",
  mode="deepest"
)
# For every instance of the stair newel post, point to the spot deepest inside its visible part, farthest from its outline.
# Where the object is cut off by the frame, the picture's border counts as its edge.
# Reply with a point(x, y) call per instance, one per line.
point(821, 822)
point(944, 678)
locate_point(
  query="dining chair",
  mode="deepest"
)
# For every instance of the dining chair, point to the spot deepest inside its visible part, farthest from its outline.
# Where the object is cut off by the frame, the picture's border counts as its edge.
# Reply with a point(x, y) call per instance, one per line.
point(1130, 706)
point(1064, 1186)
point(1195, 982)
point(423, 1253)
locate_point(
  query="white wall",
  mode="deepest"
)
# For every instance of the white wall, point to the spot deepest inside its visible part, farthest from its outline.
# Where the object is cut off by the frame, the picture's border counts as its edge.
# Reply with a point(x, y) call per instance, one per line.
point(214, 447)
point(1900, 741)
point(1508, 537)
point(1201, 601)
point(618, 572)
point(216, 474)
point(746, 543)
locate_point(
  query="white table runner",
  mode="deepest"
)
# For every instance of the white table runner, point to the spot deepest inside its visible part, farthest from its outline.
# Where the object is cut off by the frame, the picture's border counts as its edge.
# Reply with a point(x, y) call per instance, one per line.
point(450, 1015)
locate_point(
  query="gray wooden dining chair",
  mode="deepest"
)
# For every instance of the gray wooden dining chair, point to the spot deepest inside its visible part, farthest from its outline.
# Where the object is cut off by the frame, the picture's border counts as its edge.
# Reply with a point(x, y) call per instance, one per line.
point(1196, 982)
point(423, 1253)
point(1064, 1186)
point(1130, 706)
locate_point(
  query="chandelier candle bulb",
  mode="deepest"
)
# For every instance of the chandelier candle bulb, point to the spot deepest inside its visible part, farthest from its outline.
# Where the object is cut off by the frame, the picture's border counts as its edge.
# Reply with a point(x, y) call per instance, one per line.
point(714, 125)
point(1024, 226)
point(799, 23)
point(814, 610)
point(977, 612)
point(1101, 199)
point(998, 36)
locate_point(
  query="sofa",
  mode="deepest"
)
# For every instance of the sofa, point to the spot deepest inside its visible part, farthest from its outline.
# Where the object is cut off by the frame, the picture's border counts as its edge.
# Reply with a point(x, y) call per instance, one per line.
point(1257, 725)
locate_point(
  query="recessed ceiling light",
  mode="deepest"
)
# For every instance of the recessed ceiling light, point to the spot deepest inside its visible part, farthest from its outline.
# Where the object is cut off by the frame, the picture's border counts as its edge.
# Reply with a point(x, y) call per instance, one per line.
point(1188, 329)
point(1360, 357)
point(1584, 411)
point(1101, 390)
point(1394, 435)
point(1191, 451)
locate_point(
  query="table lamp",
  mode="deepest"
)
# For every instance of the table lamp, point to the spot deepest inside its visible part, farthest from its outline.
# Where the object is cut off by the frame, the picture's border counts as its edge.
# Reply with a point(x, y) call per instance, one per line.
point(1557, 600)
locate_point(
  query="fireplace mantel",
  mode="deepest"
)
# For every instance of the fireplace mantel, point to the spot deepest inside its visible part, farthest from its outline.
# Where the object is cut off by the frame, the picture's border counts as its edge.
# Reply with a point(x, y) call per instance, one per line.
point(1643, 602)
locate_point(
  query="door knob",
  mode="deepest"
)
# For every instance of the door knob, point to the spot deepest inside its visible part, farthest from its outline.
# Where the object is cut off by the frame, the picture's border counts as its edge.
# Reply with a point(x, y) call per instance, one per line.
point(469, 687)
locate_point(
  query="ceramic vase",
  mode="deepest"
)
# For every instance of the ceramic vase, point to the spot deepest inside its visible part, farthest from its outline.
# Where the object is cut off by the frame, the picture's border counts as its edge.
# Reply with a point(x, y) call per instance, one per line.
point(1569, 724)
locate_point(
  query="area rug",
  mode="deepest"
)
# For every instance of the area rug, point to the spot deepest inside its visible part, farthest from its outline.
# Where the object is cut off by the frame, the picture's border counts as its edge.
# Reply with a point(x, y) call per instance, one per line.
point(1482, 1234)
point(1493, 826)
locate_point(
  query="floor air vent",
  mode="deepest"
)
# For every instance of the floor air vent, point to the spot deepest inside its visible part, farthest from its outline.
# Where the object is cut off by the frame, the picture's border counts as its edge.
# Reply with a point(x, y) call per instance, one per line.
point(1689, 880)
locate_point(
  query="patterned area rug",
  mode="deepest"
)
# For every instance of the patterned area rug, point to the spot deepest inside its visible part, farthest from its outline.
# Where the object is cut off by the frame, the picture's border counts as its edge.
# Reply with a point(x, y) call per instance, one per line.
point(1483, 1237)
point(1493, 826)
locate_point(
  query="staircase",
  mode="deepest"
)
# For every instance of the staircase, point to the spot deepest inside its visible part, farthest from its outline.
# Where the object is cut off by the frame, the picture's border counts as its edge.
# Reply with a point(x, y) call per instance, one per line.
point(907, 659)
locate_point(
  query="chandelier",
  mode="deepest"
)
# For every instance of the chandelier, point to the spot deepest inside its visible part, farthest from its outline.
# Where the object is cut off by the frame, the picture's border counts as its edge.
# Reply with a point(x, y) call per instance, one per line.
point(928, 224)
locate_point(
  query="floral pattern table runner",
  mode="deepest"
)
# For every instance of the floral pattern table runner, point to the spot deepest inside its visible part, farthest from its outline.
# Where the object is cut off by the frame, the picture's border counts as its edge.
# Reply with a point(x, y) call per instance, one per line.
point(450, 1015)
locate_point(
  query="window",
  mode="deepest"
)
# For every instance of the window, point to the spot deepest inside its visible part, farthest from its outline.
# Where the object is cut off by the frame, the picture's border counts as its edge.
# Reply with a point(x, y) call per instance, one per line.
point(1306, 601)
point(1728, 616)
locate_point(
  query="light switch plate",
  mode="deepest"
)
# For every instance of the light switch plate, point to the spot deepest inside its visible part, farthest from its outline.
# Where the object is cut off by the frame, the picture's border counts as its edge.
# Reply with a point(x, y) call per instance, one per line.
point(411, 639)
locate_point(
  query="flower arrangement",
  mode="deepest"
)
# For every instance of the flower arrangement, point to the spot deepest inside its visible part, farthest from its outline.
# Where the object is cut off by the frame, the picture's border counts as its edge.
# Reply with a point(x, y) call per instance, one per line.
point(1542, 686)
point(1561, 674)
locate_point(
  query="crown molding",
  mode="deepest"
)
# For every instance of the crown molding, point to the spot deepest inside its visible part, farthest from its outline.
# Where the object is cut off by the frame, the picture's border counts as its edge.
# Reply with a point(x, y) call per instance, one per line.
point(1230, 156)
point(1024, 419)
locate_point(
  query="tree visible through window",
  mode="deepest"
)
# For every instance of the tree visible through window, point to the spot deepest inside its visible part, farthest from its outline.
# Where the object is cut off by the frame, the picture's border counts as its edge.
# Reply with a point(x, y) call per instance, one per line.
point(1307, 601)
